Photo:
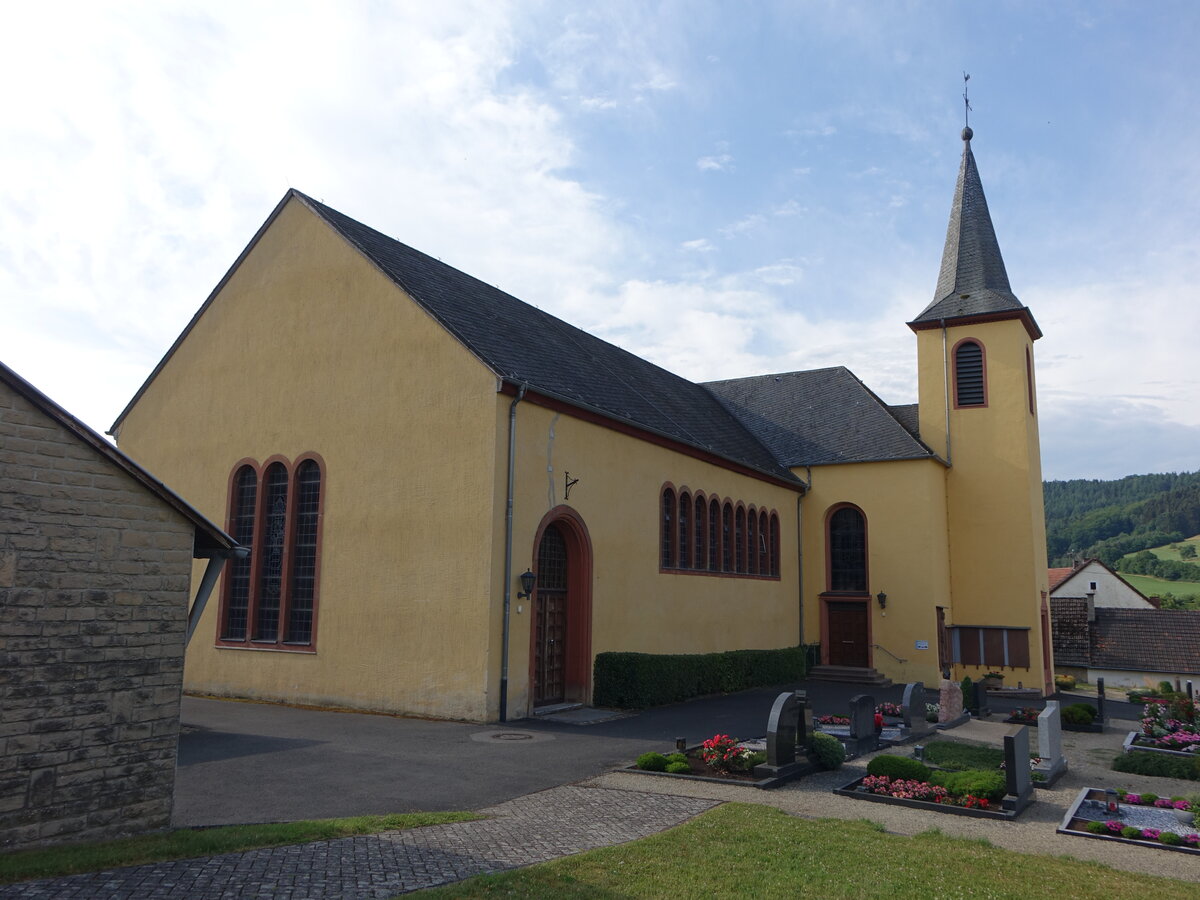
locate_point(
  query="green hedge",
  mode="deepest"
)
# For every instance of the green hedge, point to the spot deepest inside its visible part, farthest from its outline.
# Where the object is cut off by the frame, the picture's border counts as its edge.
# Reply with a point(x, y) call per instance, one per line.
point(639, 680)
point(1158, 764)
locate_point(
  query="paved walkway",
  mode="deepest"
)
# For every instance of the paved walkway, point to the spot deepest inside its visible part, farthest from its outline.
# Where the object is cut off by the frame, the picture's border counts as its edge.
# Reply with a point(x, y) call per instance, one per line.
point(530, 829)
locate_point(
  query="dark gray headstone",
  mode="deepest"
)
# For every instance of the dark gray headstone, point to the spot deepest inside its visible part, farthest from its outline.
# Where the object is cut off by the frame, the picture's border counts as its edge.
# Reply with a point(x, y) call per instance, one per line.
point(913, 709)
point(1100, 700)
point(1018, 784)
point(804, 723)
point(1189, 689)
point(863, 738)
point(979, 700)
point(781, 730)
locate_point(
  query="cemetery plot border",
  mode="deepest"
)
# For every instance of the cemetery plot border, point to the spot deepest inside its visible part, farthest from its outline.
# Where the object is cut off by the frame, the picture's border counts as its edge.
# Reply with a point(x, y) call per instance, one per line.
point(853, 790)
point(1077, 818)
point(804, 768)
point(1136, 742)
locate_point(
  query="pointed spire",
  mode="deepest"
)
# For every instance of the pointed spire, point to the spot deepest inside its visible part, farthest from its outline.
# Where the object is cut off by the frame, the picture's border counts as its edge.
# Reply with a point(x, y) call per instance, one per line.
point(972, 280)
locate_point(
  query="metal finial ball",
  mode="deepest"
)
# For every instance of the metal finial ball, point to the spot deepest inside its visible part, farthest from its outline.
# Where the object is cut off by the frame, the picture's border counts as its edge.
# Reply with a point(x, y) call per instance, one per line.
point(967, 133)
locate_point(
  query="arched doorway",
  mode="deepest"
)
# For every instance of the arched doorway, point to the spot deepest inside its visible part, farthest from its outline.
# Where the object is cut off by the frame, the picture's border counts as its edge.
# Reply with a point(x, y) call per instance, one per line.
point(561, 654)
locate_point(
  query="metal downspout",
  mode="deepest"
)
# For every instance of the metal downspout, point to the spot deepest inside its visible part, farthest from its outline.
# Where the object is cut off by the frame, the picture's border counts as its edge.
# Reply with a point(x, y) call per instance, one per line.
point(946, 386)
point(508, 545)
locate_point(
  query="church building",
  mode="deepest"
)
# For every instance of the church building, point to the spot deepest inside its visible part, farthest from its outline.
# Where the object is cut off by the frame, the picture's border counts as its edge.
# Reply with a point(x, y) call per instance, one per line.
point(398, 442)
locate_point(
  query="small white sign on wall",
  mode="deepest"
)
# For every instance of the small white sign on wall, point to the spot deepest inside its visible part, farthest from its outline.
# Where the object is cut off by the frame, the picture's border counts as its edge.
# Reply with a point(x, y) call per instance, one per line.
point(922, 645)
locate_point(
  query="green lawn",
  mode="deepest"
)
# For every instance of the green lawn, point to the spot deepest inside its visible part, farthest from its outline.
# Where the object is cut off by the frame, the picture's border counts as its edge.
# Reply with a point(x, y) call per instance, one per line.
point(184, 843)
point(1156, 587)
point(1166, 551)
point(743, 850)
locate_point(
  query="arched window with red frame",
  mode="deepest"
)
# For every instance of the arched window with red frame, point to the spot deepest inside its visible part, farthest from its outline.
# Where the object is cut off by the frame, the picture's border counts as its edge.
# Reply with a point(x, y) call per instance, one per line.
point(685, 530)
point(727, 537)
point(846, 529)
point(714, 535)
point(668, 528)
point(764, 554)
point(700, 551)
point(739, 540)
point(751, 542)
point(269, 598)
point(774, 545)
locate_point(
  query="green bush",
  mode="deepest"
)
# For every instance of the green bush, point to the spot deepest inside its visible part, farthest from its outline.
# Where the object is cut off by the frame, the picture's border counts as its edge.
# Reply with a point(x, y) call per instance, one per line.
point(1148, 798)
point(757, 758)
point(679, 768)
point(1158, 765)
point(1165, 687)
point(677, 757)
point(827, 749)
point(1079, 714)
point(973, 781)
point(1131, 832)
point(1170, 838)
point(1097, 827)
point(968, 693)
point(891, 766)
point(639, 680)
point(652, 762)
point(1065, 682)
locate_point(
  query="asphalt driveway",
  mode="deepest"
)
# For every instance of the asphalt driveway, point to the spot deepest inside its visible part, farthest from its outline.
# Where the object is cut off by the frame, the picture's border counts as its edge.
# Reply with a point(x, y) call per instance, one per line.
point(256, 762)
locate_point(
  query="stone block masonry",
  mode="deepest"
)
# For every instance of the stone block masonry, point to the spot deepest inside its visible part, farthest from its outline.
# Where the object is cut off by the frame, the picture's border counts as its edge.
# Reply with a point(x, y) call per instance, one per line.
point(94, 579)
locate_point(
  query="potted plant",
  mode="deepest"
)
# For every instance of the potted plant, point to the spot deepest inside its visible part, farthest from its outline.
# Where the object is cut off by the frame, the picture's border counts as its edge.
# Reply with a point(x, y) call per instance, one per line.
point(993, 680)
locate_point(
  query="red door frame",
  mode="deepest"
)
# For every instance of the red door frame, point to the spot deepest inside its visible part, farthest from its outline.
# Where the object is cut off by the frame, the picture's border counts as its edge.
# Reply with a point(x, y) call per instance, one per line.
point(579, 604)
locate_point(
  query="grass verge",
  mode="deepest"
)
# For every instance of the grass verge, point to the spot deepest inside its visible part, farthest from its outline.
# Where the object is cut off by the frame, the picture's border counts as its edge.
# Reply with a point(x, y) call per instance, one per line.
point(744, 850)
point(184, 843)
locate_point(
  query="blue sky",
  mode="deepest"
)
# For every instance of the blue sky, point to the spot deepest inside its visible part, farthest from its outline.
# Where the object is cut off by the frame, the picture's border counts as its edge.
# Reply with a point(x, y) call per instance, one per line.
point(726, 189)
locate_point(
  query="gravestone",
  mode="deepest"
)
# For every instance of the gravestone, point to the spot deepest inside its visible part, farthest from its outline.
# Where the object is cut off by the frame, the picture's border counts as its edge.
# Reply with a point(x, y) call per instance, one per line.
point(781, 730)
point(804, 722)
point(1189, 689)
point(912, 708)
point(782, 726)
point(1100, 700)
point(863, 738)
point(979, 703)
point(1019, 786)
point(950, 702)
point(1053, 764)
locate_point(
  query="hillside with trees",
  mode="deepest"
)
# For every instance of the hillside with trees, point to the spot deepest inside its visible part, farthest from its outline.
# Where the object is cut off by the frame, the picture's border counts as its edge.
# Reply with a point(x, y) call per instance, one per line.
point(1110, 519)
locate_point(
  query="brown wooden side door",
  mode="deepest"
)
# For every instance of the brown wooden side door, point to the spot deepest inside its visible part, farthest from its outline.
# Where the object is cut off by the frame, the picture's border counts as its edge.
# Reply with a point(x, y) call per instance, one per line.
point(550, 638)
point(848, 634)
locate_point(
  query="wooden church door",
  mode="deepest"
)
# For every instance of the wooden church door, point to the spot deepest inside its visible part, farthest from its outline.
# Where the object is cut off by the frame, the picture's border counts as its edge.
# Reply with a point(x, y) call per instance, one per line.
point(550, 640)
point(848, 634)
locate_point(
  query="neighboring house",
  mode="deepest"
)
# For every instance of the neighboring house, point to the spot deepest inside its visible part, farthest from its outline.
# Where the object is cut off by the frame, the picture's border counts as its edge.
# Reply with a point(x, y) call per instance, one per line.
point(398, 441)
point(1125, 647)
point(1092, 578)
point(95, 569)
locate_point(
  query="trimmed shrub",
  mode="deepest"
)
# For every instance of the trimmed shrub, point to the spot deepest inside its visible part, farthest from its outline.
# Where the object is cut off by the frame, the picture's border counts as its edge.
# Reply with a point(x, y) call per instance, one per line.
point(1096, 828)
point(677, 757)
point(990, 785)
point(892, 766)
point(968, 693)
point(1159, 765)
point(827, 750)
point(652, 762)
point(679, 768)
point(639, 680)
point(1065, 682)
point(1170, 838)
point(1131, 832)
point(1079, 714)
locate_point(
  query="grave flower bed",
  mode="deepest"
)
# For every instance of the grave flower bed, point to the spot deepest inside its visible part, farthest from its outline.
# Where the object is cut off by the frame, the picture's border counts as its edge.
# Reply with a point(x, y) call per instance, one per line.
point(725, 758)
point(1144, 819)
point(907, 782)
point(1171, 725)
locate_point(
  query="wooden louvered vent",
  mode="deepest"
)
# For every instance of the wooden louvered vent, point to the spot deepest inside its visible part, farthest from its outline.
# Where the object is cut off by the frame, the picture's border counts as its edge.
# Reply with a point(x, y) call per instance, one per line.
point(968, 375)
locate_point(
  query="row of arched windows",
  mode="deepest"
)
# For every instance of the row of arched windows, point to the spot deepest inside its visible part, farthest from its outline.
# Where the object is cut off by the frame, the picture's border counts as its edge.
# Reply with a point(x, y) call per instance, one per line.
point(269, 597)
point(705, 534)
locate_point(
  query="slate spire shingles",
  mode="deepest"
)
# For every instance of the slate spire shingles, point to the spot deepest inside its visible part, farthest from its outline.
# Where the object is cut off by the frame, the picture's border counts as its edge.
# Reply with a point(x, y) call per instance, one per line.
point(972, 280)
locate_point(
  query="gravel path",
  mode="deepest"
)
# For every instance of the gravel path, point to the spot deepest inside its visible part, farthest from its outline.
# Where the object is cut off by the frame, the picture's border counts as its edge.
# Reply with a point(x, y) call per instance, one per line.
point(1088, 755)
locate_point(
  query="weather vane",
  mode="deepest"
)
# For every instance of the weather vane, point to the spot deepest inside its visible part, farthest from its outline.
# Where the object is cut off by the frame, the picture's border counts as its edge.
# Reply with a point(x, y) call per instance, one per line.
point(966, 102)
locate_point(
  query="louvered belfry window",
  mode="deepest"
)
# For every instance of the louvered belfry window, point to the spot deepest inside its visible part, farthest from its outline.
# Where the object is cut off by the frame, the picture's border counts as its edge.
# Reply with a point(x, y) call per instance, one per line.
point(968, 375)
point(270, 597)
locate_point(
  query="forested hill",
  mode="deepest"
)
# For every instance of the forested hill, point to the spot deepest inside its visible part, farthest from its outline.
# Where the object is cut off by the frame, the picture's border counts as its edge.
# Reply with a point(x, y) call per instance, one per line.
point(1107, 519)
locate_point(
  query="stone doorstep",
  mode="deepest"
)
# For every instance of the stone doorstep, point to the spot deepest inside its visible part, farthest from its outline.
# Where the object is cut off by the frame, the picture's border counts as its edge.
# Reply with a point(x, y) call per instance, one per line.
point(1019, 803)
point(1064, 827)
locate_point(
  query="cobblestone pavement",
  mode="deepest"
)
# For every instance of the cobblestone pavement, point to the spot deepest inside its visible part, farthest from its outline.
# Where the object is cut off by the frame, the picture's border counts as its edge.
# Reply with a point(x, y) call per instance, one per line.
point(529, 829)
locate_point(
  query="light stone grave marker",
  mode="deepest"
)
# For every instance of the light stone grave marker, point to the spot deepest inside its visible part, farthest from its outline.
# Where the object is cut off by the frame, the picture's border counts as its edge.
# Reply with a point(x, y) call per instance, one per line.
point(913, 709)
point(1053, 763)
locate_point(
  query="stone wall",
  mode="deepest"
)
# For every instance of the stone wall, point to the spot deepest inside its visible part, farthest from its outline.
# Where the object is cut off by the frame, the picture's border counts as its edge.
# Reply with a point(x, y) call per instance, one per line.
point(94, 580)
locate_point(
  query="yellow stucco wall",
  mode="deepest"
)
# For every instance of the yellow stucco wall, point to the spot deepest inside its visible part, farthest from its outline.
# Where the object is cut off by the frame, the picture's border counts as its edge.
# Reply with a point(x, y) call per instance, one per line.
point(907, 556)
point(996, 519)
point(635, 606)
point(309, 348)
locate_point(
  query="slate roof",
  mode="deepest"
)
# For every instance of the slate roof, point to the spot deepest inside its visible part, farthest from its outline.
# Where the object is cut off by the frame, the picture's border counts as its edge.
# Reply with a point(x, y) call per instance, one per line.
point(819, 417)
point(1152, 640)
point(972, 280)
point(209, 538)
point(1138, 640)
point(525, 345)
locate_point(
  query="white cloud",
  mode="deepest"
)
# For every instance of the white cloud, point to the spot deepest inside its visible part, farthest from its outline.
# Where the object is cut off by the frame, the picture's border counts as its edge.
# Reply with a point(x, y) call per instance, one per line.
point(722, 162)
point(700, 245)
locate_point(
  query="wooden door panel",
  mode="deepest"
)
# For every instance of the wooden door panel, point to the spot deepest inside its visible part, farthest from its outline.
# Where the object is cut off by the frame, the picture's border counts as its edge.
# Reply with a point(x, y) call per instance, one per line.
point(848, 634)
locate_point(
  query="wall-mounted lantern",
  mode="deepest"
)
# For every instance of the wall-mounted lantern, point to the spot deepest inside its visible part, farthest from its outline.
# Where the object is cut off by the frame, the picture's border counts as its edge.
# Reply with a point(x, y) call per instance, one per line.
point(882, 598)
point(527, 579)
